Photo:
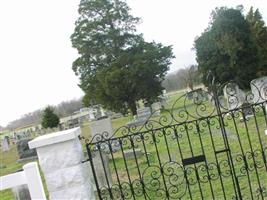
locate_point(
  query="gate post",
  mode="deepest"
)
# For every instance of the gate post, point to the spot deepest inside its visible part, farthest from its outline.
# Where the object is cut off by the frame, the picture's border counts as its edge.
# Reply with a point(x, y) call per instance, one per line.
point(60, 156)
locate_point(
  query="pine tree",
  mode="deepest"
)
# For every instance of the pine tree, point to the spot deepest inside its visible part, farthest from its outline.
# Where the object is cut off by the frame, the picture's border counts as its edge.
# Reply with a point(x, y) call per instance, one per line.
point(259, 36)
point(49, 118)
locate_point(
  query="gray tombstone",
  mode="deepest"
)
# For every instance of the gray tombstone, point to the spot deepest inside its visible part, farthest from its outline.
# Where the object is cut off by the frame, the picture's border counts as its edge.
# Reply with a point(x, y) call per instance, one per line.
point(101, 167)
point(132, 153)
point(156, 108)
point(259, 89)
point(5, 144)
point(144, 112)
point(234, 96)
point(142, 116)
point(247, 111)
point(24, 152)
point(91, 113)
point(101, 126)
point(189, 95)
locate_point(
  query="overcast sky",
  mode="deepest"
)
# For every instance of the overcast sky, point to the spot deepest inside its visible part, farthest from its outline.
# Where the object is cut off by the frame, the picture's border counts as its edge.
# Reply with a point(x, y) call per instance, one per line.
point(36, 53)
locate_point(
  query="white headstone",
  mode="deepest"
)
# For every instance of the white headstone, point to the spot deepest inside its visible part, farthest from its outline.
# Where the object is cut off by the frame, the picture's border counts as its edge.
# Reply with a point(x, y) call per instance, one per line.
point(156, 108)
point(259, 89)
point(143, 112)
point(91, 114)
point(234, 96)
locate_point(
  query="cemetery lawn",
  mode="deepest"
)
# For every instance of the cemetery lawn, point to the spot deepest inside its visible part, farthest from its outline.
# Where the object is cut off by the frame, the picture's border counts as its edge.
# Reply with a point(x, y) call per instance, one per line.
point(234, 129)
point(243, 136)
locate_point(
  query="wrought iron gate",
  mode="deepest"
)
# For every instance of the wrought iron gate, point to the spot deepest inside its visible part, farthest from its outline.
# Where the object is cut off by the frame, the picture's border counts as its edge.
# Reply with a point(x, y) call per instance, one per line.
point(205, 146)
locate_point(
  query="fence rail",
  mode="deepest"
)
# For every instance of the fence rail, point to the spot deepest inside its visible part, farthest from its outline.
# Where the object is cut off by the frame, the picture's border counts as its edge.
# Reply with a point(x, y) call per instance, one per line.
point(30, 176)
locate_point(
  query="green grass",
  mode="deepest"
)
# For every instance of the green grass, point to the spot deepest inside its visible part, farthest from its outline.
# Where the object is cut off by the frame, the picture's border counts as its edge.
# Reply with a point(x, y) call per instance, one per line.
point(184, 137)
point(202, 137)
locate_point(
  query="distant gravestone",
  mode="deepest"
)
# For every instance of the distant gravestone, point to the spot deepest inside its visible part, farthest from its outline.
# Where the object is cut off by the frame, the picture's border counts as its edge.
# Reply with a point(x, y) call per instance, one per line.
point(5, 144)
point(132, 153)
point(259, 89)
point(156, 108)
point(7, 139)
point(91, 114)
point(143, 115)
point(189, 95)
point(247, 111)
point(234, 96)
point(143, 112)
point(24, 152)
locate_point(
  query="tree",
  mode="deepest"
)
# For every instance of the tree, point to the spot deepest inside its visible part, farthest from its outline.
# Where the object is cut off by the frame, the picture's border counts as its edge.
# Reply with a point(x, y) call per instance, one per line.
point(259, 36)
point(226, 48)
point(49, 118)
point(115, 65)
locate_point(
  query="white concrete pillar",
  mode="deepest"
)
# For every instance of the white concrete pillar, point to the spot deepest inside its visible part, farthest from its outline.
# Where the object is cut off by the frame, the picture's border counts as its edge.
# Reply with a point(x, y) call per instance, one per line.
point(60, 156)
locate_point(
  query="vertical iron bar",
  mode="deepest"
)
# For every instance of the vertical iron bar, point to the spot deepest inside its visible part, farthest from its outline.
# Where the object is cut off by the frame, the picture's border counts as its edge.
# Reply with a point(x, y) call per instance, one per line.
point(216, 158)
point(259, 137)
point(251, 149)
point(229, 156)
point(159, 160)
point(243, 153)
point(127, 171)
point(192, 154)
point(181, 154)
point(138, 169)
point(167, 145)
point(93, 170)
point(105, 171)
point(143, 138)
point(115, 168)
point(203, 152)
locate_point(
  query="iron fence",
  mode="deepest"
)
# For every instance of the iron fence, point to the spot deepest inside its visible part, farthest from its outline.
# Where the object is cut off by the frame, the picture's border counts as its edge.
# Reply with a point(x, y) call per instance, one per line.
point(209, 145)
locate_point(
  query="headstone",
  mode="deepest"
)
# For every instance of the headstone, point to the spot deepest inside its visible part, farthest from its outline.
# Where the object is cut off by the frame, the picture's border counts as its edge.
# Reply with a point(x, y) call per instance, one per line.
point(189, 95)
point(91, 113)
point(259, 89)
point(247, 110)
point(99, 112)
point(130, 153)
point(143, 112)
point(143, 115)
point(7, 138)
point(101, 126)
point(195, 94)
point(24, 152)
point(156, 108)
point(5, 144)
point(101, 166)
point(234, 96)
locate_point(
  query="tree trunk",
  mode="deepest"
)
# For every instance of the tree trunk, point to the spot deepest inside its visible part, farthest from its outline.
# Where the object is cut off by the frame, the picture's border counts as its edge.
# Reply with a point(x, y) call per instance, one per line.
point(132, 107)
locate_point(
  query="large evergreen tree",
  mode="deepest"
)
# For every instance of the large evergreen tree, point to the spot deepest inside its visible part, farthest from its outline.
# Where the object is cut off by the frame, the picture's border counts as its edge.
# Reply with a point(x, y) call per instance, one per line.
point(115, 65)
point(227, 49)
point(259, 36)
point(49, 118)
